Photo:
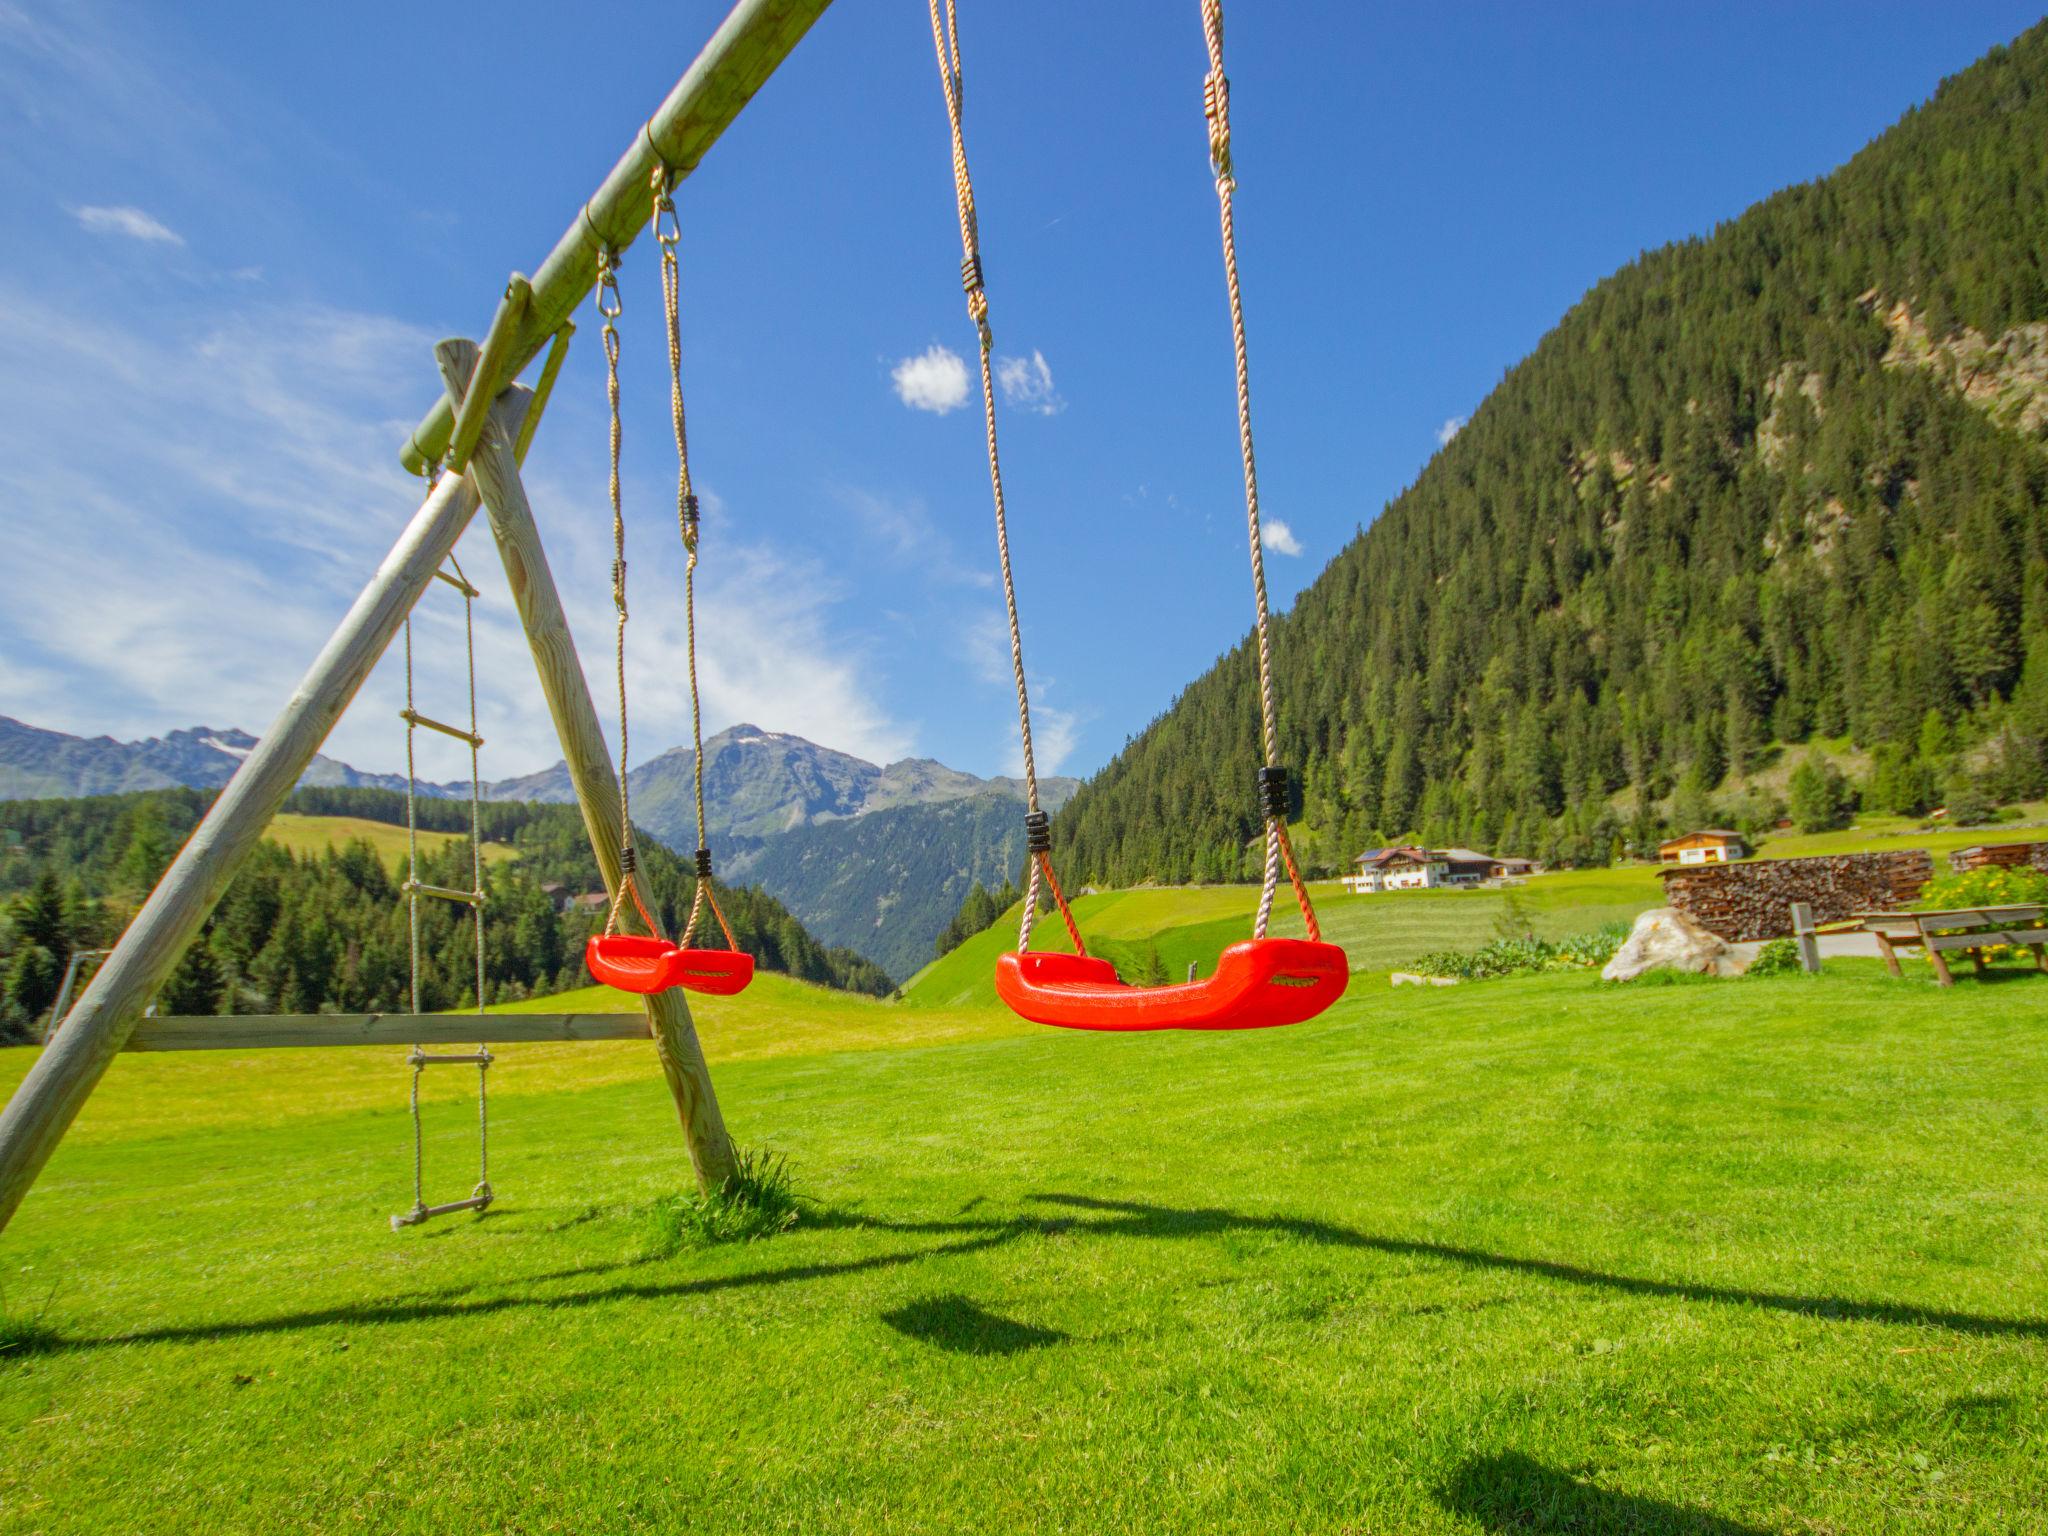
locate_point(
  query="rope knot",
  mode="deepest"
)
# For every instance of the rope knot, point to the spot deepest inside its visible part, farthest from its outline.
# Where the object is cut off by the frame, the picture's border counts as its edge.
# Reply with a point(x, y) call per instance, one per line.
point(1273, 793)
point(1037, 832)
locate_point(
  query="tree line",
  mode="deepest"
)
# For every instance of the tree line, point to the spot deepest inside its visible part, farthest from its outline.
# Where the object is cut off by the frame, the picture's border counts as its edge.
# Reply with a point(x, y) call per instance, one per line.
point(328, 931)
point(1742, 498)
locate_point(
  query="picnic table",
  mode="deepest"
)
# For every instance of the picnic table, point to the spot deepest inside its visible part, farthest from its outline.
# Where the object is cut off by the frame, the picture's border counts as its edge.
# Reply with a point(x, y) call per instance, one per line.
point(1975, 929)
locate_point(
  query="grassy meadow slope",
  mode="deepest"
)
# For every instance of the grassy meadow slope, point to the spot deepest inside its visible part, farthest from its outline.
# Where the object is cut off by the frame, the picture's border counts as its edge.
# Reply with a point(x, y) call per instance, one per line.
point(316, 834)
point(1738, 1257)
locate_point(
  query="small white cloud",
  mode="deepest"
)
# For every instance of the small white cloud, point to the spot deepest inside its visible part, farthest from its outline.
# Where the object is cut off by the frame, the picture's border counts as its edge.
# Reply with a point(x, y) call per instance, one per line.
point(1450, 429)
point(935, 380)
point(131, 222)
point(1278, 536)
point(1027, 384)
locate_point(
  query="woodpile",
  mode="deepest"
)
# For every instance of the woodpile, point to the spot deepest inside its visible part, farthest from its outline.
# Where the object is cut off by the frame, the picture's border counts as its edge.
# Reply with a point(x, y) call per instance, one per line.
point(2000, 856)
point(1741, 902)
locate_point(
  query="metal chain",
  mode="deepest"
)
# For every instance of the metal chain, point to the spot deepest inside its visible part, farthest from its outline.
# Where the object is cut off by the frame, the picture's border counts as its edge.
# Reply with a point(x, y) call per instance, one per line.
point(1216, 107)
point(946, 40)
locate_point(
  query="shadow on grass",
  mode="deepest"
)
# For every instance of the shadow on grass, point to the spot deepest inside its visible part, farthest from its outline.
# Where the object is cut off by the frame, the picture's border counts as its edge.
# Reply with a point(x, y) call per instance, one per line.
point(1095, 1219)
point(957, 1324)
point(1512, 1493)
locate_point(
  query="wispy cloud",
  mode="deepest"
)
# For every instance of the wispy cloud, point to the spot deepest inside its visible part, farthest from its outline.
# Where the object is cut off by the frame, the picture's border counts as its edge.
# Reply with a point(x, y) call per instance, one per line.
point(129, 223)
point(935, 380)
point(1452, 426)
point(1278, 536)
point(1055, 732)
point(1027, 384)
point(903, 528)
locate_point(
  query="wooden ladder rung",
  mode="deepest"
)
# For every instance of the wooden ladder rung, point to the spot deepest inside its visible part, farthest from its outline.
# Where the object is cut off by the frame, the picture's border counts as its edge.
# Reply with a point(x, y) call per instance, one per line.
point(458, 584)
point(445, 892)
point(469, 1059)
point(414, 717)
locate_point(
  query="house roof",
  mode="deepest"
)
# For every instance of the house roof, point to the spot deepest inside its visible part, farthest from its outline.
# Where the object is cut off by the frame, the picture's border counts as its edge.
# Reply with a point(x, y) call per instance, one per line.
point(1465, 856)
point(1720, 832)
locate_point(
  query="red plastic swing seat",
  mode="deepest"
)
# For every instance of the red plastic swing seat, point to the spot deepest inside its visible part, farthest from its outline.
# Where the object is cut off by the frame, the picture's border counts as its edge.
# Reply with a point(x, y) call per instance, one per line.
point(1258, 984)
point(634, 962)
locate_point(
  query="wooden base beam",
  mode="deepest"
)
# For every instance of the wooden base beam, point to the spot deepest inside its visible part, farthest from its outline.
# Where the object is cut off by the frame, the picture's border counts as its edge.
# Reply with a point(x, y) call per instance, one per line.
point(272, 1032)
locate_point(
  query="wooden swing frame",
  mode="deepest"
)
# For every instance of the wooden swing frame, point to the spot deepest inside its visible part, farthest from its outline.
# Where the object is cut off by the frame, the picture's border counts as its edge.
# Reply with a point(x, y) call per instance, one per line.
point(480, 428)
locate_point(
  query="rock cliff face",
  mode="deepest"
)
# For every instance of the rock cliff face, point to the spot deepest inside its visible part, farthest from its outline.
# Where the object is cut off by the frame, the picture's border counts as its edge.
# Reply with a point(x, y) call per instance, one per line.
point(2005, 376)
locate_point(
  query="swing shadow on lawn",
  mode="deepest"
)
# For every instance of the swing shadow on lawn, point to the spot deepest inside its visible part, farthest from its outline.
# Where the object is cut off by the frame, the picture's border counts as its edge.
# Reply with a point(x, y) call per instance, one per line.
point(958, 1325)
point(1510, 1492)
point(1099, 1218)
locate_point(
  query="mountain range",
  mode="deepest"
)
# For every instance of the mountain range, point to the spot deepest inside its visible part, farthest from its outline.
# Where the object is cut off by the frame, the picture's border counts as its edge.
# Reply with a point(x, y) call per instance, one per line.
point(875, 857)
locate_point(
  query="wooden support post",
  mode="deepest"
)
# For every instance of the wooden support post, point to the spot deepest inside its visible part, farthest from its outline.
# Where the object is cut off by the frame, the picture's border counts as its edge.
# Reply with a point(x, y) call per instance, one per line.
point(745, 50)
point(1809, 944)
point(68, 1070)
point(583, 747)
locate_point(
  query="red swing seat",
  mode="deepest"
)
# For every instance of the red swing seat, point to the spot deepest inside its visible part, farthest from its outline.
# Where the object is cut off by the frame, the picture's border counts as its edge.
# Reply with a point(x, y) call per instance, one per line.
point(634, 962)
point(1258, 984)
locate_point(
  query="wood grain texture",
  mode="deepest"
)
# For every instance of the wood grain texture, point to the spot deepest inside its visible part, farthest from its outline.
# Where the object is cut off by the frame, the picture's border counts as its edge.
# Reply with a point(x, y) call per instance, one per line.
point(64, 1076)
point(748, 46)
point(589, 760)
point(267, 1032)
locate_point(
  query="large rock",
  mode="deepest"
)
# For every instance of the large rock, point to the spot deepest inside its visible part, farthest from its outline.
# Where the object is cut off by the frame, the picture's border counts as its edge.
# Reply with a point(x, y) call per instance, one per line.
point(1667, 940)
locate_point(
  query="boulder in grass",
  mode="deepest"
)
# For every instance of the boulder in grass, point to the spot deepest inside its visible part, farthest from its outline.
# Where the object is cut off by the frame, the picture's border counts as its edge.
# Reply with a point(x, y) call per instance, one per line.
point(1665, 939)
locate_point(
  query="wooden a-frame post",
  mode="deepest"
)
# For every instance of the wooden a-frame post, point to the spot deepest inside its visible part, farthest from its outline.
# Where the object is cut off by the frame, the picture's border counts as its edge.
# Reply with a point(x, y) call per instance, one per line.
point(745, 50)
point(496, 472)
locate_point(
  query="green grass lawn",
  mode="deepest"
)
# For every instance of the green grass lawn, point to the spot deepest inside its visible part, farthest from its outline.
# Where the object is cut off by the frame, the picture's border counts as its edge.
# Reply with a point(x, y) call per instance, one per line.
point(1719, 1258)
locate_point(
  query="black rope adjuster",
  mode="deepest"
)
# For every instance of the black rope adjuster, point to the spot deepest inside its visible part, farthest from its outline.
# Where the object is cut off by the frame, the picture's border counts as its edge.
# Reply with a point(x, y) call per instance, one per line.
point(703, 863)
point(970, 272)
point(1273, 793)
point(629, 859)
point(690, 510)
point(1037, 832)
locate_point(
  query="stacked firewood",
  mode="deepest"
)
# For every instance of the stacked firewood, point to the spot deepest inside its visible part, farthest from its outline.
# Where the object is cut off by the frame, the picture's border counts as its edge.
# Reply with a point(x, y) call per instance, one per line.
point(1740, 902)
point(2000, 856)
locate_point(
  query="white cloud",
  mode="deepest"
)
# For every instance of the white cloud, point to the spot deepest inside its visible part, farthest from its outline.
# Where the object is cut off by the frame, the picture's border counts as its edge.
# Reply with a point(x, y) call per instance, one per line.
point(272, 492)
point(1278, 536)
point(935, 380)
point(132, 223)
point(1027, 384)
point(1451, 428)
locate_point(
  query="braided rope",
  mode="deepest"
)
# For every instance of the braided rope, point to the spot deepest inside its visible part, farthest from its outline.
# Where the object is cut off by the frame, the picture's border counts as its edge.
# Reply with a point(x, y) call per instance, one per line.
point(1216, 107)
point(946, 40)
point(610, 306)
point(412, 905)
point(668, 234)
point(476, 877)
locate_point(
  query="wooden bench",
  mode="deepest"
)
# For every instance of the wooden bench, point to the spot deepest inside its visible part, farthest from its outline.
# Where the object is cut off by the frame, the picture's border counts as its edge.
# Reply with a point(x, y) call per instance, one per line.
point(1974, 929)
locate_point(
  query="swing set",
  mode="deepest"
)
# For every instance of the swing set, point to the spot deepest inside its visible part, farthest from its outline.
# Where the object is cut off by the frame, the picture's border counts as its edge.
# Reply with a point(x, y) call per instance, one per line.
point(469, 448)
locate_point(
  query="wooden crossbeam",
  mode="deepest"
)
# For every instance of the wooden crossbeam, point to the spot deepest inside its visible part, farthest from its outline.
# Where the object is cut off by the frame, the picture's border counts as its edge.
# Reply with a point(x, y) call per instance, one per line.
point(269, 1032)
point(745, 50)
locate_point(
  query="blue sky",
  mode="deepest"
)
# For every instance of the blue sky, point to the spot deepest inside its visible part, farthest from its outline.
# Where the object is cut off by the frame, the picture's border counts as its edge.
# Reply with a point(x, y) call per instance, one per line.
point(235, 229)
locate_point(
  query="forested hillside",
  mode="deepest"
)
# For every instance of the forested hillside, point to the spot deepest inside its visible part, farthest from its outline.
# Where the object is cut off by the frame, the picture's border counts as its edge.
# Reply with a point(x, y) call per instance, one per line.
point(1781, 482)
point(327, 931)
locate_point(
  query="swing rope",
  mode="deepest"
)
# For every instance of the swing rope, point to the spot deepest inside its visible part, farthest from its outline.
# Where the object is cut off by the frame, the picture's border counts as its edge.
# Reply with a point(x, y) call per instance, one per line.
point(610, 307)
point(667, 235)
point(1037, 825)
point(1272, 777)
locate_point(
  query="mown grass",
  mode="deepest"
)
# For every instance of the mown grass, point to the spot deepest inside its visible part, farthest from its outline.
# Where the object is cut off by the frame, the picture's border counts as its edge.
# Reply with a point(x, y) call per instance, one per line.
point(1877, 833)
point(1753, 1256)
point(316, 834)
